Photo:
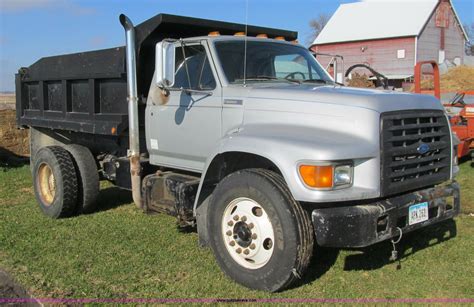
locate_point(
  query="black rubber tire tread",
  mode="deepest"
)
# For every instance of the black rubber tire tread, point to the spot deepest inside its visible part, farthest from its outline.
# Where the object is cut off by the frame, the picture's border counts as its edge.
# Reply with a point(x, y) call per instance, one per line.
point(87, 178)
point(303, 233)
point(305, 227)
point(62, 166)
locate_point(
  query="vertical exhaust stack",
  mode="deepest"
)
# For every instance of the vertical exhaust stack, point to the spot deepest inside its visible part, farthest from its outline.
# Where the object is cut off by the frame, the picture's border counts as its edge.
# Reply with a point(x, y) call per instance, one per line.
point(133, 130)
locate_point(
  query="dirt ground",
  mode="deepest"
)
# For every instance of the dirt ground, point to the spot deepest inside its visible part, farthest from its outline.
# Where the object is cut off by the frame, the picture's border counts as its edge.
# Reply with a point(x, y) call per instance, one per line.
point(13, 141)
point(7, 99)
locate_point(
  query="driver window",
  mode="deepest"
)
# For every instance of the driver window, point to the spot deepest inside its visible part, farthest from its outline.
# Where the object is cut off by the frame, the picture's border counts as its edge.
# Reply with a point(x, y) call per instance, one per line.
point(193, 70)
point(291, 66)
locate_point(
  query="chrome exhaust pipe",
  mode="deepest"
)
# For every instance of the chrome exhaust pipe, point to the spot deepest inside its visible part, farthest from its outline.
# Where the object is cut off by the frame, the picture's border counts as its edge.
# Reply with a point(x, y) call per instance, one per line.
point(133, 128)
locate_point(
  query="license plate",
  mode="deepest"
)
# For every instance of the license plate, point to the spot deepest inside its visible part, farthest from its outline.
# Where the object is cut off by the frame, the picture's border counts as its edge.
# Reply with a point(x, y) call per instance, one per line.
point(418, 213)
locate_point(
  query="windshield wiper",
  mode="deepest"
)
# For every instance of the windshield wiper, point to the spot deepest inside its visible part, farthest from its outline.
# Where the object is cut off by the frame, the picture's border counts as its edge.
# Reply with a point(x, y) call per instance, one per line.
point(256, 78)
point(317, 81)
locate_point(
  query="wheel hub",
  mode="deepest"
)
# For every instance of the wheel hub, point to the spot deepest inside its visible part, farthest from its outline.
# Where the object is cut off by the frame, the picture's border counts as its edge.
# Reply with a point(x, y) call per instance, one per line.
point(242, 234)
point(248, 233)
point(46, 183)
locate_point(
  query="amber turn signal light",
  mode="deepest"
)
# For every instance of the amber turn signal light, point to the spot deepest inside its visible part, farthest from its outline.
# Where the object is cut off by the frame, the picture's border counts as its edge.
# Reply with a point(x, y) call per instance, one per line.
point(315, 176)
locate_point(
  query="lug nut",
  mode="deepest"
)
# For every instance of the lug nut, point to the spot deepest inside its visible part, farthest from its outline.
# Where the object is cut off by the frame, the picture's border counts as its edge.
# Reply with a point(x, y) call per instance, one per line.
point(254, 236)
point(230, 223)
point(251, 225)
point(232, 243)
point(236, 218)
point(229, 233)
point(239, 250)
point(246, 252)
point(244, 218)
point(252, 246)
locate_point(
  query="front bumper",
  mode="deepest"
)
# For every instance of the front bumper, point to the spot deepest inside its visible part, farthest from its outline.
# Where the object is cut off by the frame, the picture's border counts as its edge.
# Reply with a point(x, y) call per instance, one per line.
point(364, 225)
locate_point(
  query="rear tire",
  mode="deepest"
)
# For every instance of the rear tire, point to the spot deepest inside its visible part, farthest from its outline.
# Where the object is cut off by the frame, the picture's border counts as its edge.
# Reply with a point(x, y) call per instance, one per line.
point(87, 178)
point(261, 237)
point(55, 182)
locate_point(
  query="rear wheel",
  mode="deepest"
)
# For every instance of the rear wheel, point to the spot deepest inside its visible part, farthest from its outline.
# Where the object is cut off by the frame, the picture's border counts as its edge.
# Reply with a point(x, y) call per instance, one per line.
point(55, 182)
point(260, 236)
point(87, 178)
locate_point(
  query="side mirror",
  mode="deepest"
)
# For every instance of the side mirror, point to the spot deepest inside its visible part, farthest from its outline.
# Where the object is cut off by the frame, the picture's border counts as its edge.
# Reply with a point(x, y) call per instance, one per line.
point(165, 64)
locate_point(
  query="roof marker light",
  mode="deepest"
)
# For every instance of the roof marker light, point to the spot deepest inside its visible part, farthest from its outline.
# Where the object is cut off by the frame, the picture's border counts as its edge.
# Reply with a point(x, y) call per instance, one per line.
point(239, 34)
point(262, 35)
point(214, 33)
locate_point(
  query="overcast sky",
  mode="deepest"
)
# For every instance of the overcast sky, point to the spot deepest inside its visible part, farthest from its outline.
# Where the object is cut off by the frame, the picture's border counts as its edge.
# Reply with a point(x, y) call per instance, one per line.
point(31, 29)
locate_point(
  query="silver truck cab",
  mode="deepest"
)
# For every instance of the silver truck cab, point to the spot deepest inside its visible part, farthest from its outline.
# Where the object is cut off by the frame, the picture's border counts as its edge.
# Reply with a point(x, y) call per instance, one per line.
point(291, 121)
point(383, 154)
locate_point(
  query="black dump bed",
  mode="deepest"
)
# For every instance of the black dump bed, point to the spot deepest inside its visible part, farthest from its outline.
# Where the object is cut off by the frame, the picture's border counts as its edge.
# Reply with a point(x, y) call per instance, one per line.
point(87, 92)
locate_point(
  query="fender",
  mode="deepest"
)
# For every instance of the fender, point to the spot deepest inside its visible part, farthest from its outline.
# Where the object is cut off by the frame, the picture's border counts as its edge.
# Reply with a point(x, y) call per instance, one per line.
point(287, 145)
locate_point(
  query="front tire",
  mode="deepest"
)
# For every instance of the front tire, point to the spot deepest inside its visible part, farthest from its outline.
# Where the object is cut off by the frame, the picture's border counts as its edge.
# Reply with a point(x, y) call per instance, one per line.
point(261, 237)
point(55, 182)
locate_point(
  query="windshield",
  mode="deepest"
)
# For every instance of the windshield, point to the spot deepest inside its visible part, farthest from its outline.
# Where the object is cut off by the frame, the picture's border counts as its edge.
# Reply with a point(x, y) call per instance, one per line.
point(269, 61)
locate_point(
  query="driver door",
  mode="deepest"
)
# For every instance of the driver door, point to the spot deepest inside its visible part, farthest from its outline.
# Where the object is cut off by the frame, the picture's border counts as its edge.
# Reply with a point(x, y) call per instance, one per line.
point(184, 131)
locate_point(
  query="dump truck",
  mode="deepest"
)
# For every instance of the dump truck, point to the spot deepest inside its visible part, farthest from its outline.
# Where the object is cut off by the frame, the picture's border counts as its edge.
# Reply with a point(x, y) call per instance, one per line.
point(238, 132)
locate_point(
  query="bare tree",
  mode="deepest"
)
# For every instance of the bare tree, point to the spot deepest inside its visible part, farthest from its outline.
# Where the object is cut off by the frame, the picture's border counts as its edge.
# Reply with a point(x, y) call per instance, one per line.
point(470, 42)
point(317, 25)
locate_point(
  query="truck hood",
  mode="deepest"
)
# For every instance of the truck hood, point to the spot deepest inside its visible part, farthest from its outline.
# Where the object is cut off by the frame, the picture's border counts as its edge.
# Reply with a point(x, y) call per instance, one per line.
point(376, 100)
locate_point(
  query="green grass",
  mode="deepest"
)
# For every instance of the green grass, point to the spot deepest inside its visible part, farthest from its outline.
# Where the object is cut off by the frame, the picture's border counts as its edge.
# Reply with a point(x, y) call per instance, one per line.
point(120, 252)
point(466, 180)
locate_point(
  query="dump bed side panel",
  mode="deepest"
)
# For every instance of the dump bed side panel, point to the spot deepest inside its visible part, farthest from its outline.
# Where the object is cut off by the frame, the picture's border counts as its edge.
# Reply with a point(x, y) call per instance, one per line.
point(84, 92)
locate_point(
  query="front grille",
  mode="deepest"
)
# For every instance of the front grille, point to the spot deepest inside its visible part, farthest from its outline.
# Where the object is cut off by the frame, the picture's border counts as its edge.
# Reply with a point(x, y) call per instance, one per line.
point(406, 162)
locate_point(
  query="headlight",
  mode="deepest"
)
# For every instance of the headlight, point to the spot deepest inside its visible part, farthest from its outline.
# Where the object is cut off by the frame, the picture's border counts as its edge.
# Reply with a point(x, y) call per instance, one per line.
point(455, 168)
point(455, 156)
point(342, 175)
point(455, 162)
point(456, 143)
point(326, 177)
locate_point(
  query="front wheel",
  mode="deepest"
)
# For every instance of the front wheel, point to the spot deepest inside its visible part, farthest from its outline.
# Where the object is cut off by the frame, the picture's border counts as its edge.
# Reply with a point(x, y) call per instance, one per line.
point(260, 236)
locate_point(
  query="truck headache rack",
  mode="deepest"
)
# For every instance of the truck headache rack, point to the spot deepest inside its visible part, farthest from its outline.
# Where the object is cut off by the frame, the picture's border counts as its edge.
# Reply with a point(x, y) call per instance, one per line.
point(87, 92)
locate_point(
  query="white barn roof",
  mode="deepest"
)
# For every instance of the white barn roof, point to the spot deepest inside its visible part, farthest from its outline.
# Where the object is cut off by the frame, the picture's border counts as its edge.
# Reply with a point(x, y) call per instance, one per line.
point(376, 19)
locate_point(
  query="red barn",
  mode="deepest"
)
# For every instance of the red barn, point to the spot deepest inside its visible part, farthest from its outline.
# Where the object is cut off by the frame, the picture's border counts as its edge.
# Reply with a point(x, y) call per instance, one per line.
point(391, 36)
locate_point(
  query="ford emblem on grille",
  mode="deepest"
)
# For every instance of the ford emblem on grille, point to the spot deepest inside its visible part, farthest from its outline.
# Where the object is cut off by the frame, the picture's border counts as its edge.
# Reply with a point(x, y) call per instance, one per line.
point(423, 148)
